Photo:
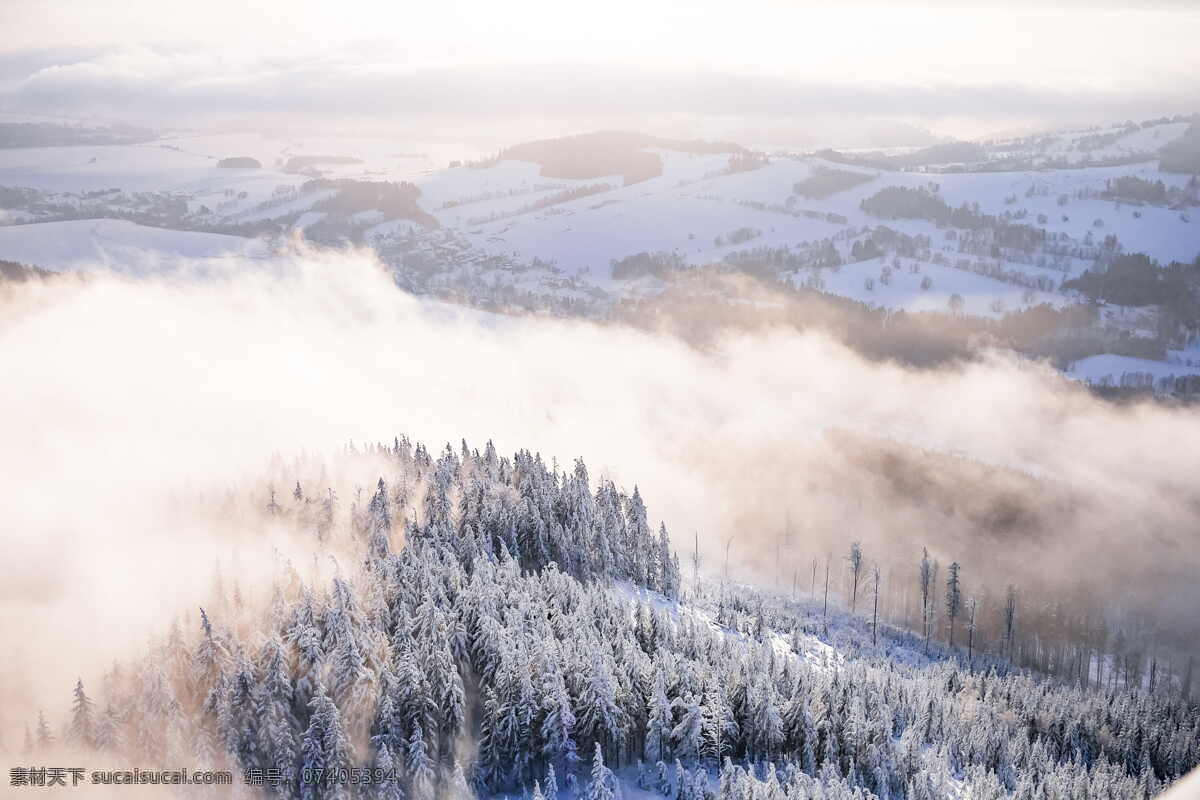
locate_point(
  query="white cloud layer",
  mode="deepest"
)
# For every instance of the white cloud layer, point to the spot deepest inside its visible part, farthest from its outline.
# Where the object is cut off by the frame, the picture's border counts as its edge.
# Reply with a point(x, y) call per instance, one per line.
point(134, 392)
point(989, 63)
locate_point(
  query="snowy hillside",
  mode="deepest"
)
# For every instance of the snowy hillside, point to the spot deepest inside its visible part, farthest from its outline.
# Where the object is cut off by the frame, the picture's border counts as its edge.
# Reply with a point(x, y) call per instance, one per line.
point(1110, 370)
point(1122, 141)
point(985, 238)
point(511, 631)
point(117, 245)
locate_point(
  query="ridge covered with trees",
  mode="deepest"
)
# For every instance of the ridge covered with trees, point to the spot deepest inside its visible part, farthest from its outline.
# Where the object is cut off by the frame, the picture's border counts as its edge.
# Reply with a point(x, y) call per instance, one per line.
point(511, 630)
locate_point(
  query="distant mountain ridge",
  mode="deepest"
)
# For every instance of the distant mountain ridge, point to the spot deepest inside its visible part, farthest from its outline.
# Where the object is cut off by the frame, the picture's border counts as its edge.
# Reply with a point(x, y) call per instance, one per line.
point(594, 155)
point(52, 134)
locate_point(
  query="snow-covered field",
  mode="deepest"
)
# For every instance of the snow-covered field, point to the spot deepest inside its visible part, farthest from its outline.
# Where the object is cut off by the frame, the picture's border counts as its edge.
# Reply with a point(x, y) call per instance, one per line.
point(982, 296)
point(1073, 145)
point(508, 225)
point(116, 244)
point(141, 167)
point(683, 211)
point(1108, 369)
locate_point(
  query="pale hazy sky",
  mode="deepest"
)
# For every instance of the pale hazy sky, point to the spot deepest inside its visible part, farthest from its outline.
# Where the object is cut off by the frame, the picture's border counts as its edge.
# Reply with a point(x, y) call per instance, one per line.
point(968, 67)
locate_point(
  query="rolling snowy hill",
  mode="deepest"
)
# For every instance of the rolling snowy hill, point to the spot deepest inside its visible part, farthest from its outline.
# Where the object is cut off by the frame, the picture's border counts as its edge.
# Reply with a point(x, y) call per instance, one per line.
point(989, 240)
point(118, 245)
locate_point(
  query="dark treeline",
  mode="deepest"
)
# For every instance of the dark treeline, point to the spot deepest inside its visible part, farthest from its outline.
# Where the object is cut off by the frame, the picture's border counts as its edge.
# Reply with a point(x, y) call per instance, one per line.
point(564, 196)
point(239, 162)
point(1131, 187)
point(394, 200)
point(659, 264)
point(1134, 279)
point(944, 153)
point(389, 200)
point(828, 182)
point(1183, 154)
point(13, 271)
point(900, 202)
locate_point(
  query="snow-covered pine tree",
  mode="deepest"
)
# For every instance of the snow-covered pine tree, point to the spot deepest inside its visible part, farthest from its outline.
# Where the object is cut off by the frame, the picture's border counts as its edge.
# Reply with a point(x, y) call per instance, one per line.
point(83, 718)
point(325, 749)
point(600, 787)
point(419, 766)
point(558, 723)
point(601, 720)
point(683, 783)
point(44, 737)
point(659, 721)
point(273, 703)
point(687, 737)
point(668, 566)
point(449, 695)
point(388, 787)
point(720, 727)
point(457, 788)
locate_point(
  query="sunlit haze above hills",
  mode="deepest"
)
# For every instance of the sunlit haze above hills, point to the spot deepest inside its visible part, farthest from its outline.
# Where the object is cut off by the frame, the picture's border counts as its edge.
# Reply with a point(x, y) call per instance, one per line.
point(775, 72)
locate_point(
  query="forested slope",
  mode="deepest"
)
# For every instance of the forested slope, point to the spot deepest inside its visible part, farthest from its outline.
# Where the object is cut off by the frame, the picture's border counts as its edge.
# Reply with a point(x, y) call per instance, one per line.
point(506, 627)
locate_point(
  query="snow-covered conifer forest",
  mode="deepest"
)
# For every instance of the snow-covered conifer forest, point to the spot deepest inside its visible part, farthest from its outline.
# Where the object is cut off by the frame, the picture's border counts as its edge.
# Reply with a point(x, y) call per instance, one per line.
point(474, 624)
point(637, 400)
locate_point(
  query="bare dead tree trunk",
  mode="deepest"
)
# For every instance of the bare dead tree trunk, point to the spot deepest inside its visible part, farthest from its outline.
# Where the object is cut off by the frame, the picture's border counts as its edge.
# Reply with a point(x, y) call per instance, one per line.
point(728, 542)
point(971, 638)
point(825, 611)
point(875, 614)
point(696, 564)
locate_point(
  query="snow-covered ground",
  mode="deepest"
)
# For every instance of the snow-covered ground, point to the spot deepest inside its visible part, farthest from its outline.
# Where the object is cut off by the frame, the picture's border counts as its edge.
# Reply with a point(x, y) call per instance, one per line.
point(507, 224)
point(1073, 146)
point(377, 158)
point(1108, 369)
point(142, 167)
point(683, 211)
point(982, 296)
point(116, 244)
